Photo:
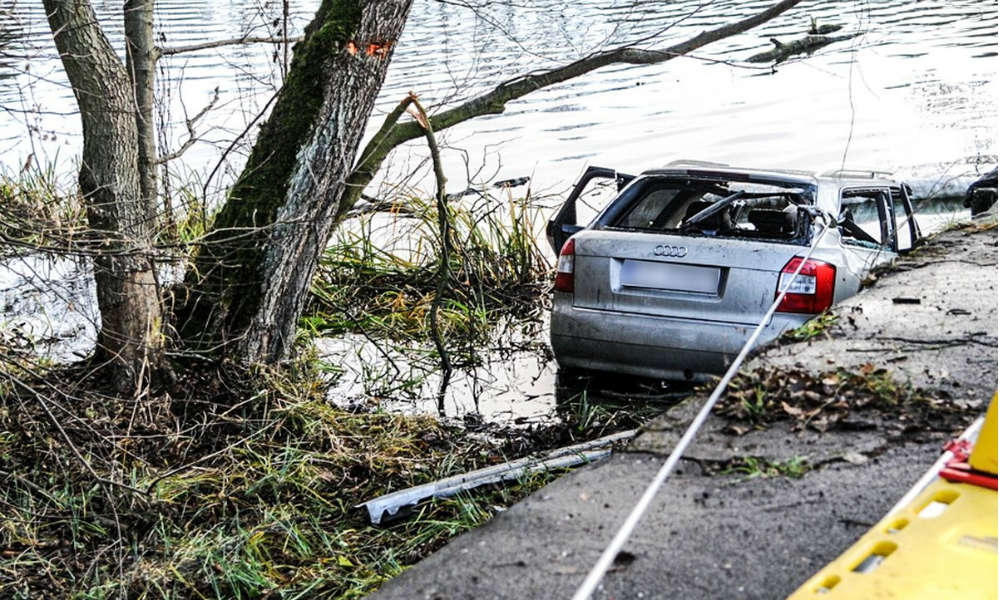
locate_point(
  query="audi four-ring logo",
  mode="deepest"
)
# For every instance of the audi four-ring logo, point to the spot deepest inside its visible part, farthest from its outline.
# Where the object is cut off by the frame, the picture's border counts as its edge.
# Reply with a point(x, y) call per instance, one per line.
point(677, 251)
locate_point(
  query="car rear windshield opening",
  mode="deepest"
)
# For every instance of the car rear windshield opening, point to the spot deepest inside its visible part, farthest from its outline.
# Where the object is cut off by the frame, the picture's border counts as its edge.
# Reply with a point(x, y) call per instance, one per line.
point(717, 208)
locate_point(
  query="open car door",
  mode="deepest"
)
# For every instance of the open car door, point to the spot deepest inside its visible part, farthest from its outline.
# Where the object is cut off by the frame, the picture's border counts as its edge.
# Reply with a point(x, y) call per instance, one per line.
point(564, 223)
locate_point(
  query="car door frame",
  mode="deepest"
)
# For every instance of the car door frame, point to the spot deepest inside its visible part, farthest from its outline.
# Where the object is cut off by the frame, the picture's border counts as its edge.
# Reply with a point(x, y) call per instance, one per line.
point(868, 258)
point(911, 218)
point(563, 225)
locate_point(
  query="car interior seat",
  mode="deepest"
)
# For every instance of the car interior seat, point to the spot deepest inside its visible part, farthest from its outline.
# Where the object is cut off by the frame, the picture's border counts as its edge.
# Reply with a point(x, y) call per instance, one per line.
point(772, 222)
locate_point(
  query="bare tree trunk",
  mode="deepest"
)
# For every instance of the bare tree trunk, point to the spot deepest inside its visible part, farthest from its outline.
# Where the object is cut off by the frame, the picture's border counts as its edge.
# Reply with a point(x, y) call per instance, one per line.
point(126, 286)
point(254, 272)
point(140, 64)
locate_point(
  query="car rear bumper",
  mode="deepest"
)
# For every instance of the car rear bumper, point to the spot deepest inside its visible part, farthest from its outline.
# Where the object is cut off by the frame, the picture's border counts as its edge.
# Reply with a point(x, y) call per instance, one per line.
point(649, 346)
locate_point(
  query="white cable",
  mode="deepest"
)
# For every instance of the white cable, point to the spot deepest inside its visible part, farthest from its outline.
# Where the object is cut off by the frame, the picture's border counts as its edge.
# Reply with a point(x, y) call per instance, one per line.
point(597, 572)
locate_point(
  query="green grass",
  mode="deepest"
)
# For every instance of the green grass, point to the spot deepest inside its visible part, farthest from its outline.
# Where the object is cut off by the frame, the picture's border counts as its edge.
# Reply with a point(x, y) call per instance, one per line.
point(754, 405)
point(753, 468)
point(265, 506)
point(37, 209)
point(817, 326)
point(41, 209)
point(593, 414)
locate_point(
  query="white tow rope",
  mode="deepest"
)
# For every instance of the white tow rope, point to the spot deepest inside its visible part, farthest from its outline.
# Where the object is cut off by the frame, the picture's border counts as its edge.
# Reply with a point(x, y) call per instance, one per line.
point(597, 572)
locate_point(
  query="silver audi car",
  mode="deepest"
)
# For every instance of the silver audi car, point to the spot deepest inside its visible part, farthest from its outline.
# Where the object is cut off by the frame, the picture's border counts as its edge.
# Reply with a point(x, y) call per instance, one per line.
point(675, 272)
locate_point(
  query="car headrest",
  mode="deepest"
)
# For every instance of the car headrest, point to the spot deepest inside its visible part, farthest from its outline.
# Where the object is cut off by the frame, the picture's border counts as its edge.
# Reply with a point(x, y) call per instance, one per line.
point(772, 221)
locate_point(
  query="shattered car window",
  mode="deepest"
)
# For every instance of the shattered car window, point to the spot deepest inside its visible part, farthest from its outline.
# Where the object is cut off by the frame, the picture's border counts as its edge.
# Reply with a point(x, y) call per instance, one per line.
point(717, 208)
point(861, 219)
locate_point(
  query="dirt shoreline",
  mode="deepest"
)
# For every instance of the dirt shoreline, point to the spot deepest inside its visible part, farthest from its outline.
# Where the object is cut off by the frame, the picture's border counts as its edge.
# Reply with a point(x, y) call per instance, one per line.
point(919, 346)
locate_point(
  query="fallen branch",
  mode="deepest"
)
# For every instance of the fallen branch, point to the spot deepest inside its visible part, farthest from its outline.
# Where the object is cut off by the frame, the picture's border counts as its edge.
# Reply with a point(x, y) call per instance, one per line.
point(804, 45)
point(442, 209)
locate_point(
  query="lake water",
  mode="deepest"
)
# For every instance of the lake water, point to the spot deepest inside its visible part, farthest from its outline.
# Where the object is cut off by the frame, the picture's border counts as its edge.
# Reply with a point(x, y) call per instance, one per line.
point(914, 92)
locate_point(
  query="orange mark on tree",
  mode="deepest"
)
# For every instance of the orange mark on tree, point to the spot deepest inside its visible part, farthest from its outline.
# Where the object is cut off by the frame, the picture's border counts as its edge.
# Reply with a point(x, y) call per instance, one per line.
point(378, 49)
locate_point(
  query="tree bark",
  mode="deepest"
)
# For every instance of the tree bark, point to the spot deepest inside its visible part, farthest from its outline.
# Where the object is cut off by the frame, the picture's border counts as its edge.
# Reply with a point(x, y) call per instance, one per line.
point(127, 293)
point(253, 274)
point(140, 64)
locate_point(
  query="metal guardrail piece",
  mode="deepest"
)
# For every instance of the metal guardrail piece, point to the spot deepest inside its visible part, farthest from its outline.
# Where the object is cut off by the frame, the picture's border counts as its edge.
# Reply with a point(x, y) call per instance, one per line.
point(570, 456)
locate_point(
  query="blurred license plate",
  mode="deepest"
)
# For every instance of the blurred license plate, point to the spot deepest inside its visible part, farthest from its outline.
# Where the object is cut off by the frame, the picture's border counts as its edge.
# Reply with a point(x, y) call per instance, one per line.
point(670, 276)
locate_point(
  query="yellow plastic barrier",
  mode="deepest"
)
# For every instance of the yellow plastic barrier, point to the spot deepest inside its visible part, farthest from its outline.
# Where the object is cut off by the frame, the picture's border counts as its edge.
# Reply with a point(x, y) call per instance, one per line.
point(984, 453)
point(943, 545)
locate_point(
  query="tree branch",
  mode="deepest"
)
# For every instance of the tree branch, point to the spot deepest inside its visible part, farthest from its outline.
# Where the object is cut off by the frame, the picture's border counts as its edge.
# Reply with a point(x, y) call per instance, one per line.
point(192, 136)
point(443, 274)
point(220, 43)
point(495, 101)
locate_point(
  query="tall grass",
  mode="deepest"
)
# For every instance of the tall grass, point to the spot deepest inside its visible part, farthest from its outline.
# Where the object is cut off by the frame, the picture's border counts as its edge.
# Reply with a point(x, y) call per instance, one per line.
point(379, 273)
point(37, 209)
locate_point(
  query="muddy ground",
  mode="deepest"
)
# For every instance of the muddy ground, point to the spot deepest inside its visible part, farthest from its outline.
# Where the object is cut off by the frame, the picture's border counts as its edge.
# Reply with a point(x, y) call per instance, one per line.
point(813, 444)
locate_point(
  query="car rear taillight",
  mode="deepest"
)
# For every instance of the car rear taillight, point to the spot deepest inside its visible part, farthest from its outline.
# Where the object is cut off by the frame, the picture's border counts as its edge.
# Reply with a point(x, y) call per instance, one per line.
point(811, 291)
point(564, 268)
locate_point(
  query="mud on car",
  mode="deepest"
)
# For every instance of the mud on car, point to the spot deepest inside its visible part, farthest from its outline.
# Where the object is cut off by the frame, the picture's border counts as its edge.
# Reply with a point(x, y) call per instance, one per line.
point(672, 276)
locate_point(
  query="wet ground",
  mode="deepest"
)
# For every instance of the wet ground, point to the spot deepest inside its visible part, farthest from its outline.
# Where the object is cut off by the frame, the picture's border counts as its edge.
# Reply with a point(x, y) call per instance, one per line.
point(762, 500)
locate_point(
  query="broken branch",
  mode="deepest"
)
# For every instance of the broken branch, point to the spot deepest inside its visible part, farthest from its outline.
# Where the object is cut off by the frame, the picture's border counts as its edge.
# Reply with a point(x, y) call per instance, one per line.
point(220, 43)
point(420, 115)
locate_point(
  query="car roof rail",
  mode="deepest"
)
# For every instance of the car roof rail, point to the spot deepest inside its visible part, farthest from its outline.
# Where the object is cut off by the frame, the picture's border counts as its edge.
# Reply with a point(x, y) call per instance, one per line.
point(860, 173)
point(695, 163)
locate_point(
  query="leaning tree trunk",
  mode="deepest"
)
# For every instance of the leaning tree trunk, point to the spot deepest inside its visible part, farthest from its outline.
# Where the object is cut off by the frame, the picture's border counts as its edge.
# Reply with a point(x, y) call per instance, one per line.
point(127, 293)
point(252, 276)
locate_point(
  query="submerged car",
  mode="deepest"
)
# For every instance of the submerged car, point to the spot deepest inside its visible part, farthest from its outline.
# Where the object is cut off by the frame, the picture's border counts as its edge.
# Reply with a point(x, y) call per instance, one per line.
point(982, 194)
point(672, 276)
